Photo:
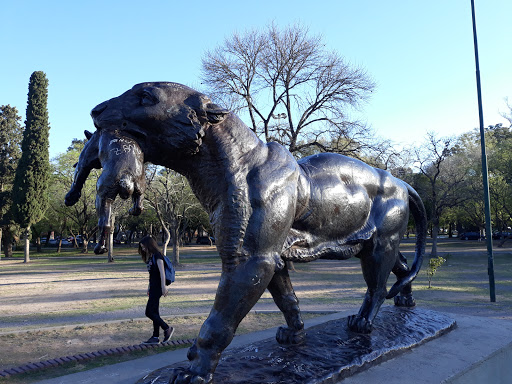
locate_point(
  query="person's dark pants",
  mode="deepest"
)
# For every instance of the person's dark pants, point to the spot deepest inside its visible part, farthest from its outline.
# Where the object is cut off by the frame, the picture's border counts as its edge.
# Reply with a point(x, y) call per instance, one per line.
point(153, 313)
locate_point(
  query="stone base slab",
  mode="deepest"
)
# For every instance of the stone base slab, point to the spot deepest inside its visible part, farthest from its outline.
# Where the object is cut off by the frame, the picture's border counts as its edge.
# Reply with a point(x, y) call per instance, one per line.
point(330, 353)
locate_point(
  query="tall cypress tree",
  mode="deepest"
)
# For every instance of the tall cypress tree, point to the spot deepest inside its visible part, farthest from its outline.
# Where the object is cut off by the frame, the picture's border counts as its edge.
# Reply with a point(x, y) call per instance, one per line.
point(29, 192)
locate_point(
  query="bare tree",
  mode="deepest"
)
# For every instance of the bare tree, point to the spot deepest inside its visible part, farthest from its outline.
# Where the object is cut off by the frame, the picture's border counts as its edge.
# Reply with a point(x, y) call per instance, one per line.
point(447, 175)
point(170, 195)
point(292, 89)
point(508, 115)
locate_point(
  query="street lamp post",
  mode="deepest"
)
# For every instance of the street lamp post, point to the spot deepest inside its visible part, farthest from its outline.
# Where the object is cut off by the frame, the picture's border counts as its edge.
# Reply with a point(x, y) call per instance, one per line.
point(488, 230)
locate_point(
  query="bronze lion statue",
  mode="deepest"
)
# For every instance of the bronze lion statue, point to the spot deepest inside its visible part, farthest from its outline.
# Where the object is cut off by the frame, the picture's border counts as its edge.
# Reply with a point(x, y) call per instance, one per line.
point(267, 208)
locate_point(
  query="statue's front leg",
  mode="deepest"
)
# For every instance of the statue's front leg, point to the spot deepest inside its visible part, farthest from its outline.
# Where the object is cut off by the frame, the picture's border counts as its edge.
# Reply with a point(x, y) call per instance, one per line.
point(239, 289)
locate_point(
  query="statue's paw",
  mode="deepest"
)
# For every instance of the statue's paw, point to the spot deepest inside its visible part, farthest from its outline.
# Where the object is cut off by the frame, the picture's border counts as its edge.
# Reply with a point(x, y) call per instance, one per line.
point(72, 198)
point(359, 324)
point(185, 376)
point(289, 336)
point(405, 301)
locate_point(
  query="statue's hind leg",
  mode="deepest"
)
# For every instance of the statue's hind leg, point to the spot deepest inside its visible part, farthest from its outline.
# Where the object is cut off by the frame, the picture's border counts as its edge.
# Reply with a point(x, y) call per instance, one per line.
point(401, 270)
point(376, 264)
point(284, 296)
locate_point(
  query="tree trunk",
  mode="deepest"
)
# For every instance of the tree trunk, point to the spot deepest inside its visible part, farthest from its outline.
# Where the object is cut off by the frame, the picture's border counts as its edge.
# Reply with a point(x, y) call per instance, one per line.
point(1, 244)
point(7, 241)
point(435, 233)
point(110, 247)
point(38, 244)
point(166, 239)
point(175, 247)
point(85, 242)
point(27, 245)
point(110, 239)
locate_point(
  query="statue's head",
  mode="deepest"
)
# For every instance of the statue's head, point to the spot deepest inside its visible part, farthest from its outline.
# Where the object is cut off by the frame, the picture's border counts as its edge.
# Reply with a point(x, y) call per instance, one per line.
point(166, 119)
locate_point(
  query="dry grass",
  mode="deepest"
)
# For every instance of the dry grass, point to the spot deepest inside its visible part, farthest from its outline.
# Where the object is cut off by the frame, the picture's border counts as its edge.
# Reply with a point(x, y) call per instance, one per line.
point(77, 289)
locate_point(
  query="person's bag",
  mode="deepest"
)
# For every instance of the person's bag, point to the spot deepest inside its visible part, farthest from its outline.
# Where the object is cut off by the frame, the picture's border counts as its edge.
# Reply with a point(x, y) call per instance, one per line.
point(169, 270)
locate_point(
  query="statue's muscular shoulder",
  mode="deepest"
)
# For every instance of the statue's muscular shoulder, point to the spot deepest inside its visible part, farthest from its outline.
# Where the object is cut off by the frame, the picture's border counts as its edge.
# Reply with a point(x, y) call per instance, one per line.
point(278, 172)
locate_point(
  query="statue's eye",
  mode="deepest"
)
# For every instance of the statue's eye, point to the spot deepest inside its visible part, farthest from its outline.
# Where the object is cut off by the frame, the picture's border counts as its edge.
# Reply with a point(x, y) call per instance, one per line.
point(147, 99)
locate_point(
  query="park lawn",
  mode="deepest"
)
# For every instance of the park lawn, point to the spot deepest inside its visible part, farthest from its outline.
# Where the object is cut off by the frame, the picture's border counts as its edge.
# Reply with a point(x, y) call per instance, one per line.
point(73, 288)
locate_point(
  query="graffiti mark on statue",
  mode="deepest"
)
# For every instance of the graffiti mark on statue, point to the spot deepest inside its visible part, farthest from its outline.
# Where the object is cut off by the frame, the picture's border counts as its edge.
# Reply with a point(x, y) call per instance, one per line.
point(267, 208)
point(126, 149)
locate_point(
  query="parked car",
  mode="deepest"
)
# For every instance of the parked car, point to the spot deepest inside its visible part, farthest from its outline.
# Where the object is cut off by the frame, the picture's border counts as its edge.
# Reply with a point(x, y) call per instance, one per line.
point(500, 235)
point(470, 236)
point(205, 240)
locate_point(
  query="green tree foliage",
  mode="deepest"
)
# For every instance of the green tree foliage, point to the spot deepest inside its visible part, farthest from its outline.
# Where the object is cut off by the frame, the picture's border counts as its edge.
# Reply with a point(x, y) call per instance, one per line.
point(80, 218)
point(433, 265)
point(30, 198)
point(11, 135)
point(499, 153)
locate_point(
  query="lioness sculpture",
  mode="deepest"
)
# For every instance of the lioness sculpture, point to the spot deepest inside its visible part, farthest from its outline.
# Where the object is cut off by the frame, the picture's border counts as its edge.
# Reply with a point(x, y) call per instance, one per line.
point(266, 208)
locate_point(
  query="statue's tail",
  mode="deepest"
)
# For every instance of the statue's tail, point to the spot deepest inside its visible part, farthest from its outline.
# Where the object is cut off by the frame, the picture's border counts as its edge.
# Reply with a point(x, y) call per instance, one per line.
point(420, 217)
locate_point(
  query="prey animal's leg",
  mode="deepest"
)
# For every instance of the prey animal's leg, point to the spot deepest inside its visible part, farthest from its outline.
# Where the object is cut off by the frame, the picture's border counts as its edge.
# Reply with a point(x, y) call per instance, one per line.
point(376, 264)
point(284, 296)
point(104, 211)
point(239, 290)
point(138, 205)
point(401, 269)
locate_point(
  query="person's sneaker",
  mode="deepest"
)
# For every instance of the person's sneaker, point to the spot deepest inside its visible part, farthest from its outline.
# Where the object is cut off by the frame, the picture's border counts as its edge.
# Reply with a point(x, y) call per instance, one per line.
point(167, 334)
point(152, 340)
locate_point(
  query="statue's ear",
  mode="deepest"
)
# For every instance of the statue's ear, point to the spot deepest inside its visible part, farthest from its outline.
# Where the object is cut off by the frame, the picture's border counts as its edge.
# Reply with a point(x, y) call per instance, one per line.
point(206, 111)
point(88, 134)
point(214, 113)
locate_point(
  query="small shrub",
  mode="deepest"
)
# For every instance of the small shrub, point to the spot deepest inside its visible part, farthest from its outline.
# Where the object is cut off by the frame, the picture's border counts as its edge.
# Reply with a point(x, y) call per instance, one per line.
point(433, 264)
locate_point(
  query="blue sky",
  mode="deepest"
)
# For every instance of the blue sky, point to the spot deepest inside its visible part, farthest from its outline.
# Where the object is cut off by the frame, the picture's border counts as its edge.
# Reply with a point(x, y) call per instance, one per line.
point(420, 54)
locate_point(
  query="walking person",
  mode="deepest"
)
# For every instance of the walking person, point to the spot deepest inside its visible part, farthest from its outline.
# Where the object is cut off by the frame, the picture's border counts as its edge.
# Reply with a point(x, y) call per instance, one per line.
point(148, 249)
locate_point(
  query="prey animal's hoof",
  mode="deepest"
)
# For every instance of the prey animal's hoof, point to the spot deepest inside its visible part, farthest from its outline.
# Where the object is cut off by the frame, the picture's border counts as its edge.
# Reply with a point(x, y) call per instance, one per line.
point(72, 198)
point(288, 336)
point(184, 376)
point(359, 324)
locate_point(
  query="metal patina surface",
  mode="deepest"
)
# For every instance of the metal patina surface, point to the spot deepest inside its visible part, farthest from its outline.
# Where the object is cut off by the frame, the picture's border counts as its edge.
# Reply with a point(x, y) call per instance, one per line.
point(265, 208)
point(330, 352)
